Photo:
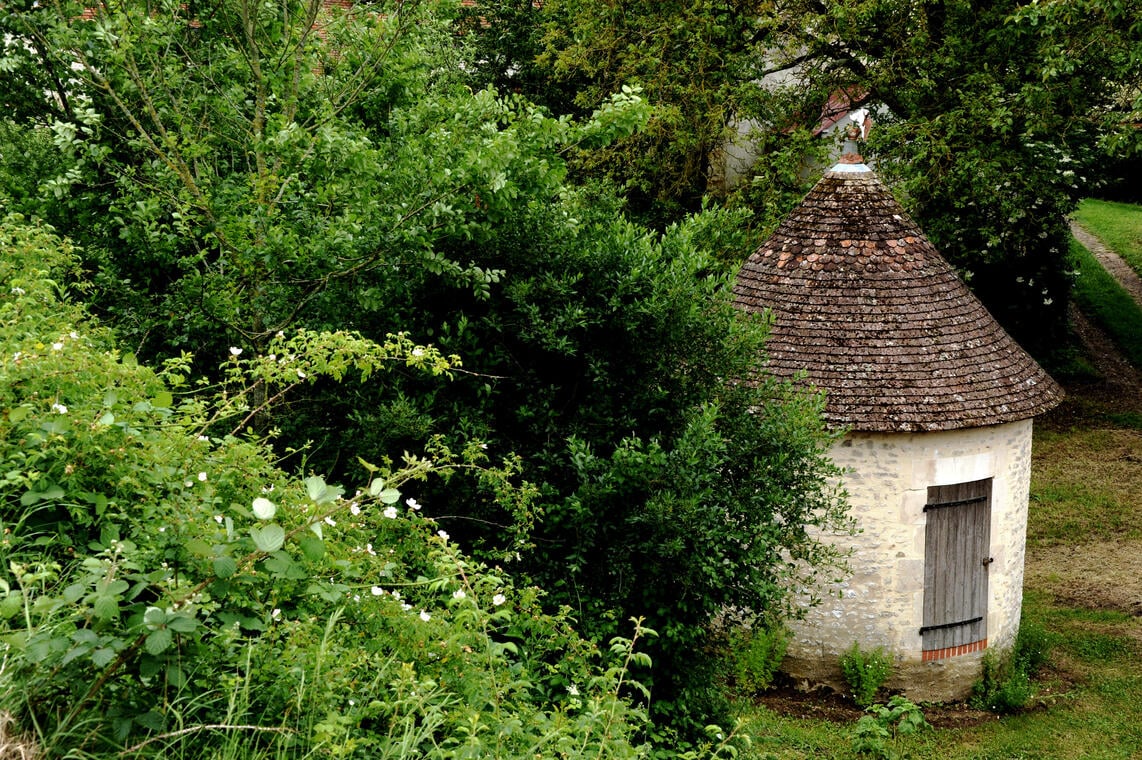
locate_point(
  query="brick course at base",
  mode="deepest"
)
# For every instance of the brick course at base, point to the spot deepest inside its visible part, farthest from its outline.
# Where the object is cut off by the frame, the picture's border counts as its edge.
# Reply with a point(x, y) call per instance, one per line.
point(932, 655)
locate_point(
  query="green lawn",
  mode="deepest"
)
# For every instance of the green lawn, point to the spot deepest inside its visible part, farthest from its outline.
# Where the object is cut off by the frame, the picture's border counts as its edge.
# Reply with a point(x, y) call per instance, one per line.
point(1119, 225)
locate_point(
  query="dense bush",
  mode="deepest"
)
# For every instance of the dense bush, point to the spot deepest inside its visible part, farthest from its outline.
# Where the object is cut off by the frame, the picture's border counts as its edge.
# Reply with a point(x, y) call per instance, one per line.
point(167, 590)
point(238, 182)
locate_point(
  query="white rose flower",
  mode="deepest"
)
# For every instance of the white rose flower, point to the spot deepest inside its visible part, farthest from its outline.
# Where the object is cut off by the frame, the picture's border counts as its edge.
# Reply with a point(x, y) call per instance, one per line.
point(264, 509)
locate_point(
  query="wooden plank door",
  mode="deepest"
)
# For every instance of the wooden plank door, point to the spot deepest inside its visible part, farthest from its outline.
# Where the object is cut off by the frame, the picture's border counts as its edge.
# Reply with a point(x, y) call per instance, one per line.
point(957, 545)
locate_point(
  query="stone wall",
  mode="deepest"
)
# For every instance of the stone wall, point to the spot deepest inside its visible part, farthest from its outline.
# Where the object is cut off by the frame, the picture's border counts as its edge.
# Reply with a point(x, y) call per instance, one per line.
point(881, 604)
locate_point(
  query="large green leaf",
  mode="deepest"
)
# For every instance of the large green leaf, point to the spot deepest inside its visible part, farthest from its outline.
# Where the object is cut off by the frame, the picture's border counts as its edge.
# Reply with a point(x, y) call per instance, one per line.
point(224, 566)
point(158, 641)
point(268, 538)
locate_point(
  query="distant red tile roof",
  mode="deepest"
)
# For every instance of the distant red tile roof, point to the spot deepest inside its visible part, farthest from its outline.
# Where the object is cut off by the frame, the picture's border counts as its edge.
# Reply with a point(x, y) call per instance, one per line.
point(871, 313)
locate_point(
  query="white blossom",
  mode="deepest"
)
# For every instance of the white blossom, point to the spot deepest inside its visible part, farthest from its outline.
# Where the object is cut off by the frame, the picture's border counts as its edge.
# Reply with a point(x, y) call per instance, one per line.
point(443, 535)
point(264, 509)
point(425, 616)
point(499, 599)
point(235, 351)
point(390, 512)
point(377, 591)
point(412, 503)
point(59, 408)
point(202, 477)
point(459, 594)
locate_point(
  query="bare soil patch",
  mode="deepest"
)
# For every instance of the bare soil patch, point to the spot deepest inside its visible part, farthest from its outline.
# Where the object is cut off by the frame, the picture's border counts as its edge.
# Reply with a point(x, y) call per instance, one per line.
point(1119, 381)
point(1097, 575)
point(837, 709)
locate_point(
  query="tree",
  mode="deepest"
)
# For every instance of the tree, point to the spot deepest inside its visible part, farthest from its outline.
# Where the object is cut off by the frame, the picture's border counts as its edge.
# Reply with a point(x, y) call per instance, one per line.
point(700, 65)
point(244, 176)
point(1105, 38)
point(229, 162)
point(991, 119)
point(612, 362)
point(989, 142)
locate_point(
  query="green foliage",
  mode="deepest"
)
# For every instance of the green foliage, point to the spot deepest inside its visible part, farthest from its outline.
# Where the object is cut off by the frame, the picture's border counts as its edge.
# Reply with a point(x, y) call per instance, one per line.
point(1100, 36)
point(990, 121)
point(988, 141)
point(756, 653)
point(239, 182)
point(1032, 649)
point(882, 732)
point(233, 174)
point(1005, 680)
point(608, 361)
point(167, 592)
point(1003, 686)
point(699, 64)
point(865, 672)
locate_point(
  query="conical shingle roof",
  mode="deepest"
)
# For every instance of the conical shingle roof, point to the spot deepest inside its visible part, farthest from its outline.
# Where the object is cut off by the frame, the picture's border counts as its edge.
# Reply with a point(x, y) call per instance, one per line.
point(865, 306)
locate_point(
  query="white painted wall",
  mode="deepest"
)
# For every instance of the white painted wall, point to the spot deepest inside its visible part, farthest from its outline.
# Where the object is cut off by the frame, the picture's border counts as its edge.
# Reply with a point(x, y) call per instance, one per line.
point(882, 603)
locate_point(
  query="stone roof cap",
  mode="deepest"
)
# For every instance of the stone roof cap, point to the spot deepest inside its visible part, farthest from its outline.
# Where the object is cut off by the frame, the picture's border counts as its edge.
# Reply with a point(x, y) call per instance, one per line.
point(866, 308)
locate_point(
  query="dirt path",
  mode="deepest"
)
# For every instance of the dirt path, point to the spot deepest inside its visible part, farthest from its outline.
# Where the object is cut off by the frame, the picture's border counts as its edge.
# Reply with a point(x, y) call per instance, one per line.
point(1110, 261)
point(1121, 382)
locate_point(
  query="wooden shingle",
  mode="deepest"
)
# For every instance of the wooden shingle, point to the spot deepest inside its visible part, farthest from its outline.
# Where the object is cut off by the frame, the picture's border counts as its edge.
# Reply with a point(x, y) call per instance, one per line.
point(871, 313)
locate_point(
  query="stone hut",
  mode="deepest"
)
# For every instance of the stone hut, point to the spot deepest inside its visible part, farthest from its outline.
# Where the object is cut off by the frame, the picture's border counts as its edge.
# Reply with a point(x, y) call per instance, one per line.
point(937, 401)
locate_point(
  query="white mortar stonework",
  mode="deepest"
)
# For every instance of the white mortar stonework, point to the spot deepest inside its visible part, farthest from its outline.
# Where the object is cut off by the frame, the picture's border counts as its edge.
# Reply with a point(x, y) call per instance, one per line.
point(882, 603)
